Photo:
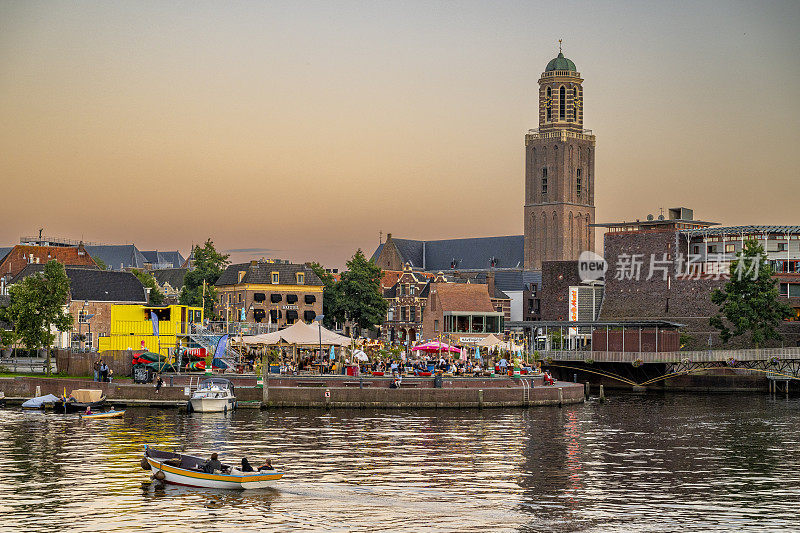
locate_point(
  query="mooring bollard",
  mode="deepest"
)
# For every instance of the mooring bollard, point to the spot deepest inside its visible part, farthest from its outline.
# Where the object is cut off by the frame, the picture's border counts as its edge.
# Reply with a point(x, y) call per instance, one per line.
point(38, 391)
point(480, 398)
point(560, 396)
point(574, 378)
point(602, 394)
point(327, 398)
point(587, 389)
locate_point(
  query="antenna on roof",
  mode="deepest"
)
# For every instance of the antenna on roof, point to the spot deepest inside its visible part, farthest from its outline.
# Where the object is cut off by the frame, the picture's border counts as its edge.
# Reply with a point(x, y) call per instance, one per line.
point(380, 237)
point(559, 45)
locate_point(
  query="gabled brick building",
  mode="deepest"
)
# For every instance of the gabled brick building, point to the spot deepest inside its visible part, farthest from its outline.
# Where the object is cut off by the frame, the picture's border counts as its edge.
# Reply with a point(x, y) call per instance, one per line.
point(22, 255)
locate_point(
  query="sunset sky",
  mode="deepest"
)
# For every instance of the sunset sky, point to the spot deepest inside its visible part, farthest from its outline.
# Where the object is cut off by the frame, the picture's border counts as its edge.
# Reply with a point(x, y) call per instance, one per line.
point(299, 130)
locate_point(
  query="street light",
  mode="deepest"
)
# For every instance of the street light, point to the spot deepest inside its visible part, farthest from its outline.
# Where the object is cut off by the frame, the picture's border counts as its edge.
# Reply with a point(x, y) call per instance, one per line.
point(319, 318)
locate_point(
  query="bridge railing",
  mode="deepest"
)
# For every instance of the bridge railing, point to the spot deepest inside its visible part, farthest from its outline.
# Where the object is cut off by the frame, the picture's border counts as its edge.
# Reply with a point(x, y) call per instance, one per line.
point(703, 356)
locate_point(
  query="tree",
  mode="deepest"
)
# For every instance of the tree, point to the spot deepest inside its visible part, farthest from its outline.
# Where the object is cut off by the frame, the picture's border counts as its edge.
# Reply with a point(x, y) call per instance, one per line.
point(207, 265)
point(330, 296)
point(38, 304)
point(156, 296)
point(749, 301)
point(359, 295)
point(100, 263)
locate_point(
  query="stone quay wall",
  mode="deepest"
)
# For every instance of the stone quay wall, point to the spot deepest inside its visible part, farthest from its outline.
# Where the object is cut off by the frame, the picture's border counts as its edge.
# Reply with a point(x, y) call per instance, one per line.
point(323, 392)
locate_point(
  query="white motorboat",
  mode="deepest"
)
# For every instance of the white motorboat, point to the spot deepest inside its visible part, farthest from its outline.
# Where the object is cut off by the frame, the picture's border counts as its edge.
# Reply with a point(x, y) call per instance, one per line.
point(188, 470)
point(214, 395)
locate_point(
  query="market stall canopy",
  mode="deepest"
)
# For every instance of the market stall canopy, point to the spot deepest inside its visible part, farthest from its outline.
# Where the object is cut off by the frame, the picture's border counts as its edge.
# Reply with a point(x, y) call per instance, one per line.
point(491, 340)
point(299, 333)
point(436, 346)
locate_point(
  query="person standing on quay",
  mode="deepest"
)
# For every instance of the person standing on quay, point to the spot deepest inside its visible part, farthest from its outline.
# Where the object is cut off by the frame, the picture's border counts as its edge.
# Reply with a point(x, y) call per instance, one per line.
point(97, 370)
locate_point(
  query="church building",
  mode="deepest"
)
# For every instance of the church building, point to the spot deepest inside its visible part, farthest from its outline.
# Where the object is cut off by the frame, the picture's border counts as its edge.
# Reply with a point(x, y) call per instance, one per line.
point(558, 206)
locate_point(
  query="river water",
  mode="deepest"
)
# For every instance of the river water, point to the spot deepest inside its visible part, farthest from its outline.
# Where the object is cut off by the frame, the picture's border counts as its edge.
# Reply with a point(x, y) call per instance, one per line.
point(634, 463)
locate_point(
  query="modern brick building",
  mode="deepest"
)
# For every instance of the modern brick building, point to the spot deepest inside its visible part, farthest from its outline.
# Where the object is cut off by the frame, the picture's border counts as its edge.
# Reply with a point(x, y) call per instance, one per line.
point(667, 268)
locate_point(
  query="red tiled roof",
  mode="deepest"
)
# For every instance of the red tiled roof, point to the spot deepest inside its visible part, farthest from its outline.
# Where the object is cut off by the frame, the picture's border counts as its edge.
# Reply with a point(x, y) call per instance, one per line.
point(20, 256)
point(463, 297)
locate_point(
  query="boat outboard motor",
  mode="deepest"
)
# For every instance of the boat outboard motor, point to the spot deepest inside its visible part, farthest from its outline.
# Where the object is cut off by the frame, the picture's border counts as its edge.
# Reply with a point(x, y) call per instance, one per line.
point(145, 464)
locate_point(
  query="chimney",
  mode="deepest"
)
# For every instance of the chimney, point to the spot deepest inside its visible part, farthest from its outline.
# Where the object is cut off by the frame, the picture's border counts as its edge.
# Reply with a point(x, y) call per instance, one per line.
point(388, 237)
point(490, 283)
point(147, 294)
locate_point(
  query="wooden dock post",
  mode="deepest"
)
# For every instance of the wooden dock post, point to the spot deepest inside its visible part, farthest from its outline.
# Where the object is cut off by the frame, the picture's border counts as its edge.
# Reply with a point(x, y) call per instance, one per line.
point(602, 394)
point(587, 389)
point(480, 398)
point(560, 396)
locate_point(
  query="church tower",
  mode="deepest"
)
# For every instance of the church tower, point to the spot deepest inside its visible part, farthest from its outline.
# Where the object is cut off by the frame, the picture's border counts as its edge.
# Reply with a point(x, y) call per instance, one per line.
point(559, 171)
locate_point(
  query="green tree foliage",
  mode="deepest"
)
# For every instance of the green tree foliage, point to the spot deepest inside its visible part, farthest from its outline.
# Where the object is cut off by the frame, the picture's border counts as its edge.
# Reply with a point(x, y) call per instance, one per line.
point(357, 296)
point(38, 305)
point(330, 296)
point(100, 263)
point(207, 265)
point(156, 296)
point(749, 301)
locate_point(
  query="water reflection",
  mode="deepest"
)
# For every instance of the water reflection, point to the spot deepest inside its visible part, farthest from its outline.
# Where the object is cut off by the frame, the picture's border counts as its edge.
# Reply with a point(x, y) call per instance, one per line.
point(635, 462)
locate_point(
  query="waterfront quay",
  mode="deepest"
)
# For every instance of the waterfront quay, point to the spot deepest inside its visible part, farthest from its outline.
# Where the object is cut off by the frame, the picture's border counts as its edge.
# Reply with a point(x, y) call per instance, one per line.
point(326, 391)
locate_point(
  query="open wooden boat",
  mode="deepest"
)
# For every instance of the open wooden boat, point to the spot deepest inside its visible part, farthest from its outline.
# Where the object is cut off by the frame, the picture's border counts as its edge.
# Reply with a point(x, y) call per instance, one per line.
point(107, 414)
point(179, 469)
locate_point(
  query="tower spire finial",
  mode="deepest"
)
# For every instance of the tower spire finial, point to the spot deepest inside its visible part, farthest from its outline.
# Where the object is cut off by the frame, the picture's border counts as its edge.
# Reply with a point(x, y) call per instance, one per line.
point(559, 46)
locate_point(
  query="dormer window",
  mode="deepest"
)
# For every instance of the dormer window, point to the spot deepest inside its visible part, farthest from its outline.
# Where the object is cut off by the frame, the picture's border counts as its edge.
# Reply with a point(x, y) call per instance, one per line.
point(241, 275)
point(301, 278)
point(276, 278)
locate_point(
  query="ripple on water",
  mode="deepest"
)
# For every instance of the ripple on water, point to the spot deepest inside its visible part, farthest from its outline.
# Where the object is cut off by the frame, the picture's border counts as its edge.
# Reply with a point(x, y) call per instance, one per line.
point(635, 463)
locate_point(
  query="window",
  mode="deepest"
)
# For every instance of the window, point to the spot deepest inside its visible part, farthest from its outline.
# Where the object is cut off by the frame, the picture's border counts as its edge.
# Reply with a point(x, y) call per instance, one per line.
point(241, 275)
point(301, 278)
point(310, 298)
point(578, 181)
point(544, 180)
point(291, 316)
point(309, 316)
point(781, 246)
point(274, 314)
point(562, 103)
point(730, 248)
point(435, 325)
point(696, 249)
point(291, 298)
point(390, 314)
point(240, 297)
point(548, 104)
point(413, 314)
point(575, 104)
point(275, 278)
point(275, 298)
point(259, 297)
point(403, 314)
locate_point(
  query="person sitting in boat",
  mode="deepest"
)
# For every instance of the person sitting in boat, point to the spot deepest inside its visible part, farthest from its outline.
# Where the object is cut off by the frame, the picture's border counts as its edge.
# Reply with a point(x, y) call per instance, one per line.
point(88, 410)
point(212, 465)
point(266, 466)
point(246, 467)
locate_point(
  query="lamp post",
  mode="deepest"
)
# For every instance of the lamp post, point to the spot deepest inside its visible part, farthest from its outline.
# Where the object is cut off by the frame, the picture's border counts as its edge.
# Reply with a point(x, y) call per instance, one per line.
point(319, 318)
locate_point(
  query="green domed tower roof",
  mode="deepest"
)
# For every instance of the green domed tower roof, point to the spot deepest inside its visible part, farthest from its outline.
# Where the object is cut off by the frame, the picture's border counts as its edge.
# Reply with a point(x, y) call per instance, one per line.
point(560, 63)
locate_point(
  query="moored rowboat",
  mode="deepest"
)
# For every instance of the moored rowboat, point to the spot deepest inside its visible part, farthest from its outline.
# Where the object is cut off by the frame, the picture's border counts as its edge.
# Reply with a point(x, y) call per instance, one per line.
point(108, 414)
point(187, 470)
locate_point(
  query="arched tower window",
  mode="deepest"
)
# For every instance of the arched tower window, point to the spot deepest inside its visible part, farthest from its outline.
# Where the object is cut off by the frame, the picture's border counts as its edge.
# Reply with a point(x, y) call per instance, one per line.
point(548, 104)
point(575, 104)
point(562, 103)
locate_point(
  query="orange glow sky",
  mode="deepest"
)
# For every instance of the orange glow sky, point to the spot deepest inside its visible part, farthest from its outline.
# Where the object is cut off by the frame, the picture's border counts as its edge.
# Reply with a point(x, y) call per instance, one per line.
point(300, 130)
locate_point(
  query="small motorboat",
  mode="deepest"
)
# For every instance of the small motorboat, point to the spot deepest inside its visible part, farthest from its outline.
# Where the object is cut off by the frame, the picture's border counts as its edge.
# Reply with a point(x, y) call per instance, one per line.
point(40, 402)
point(179, 469)
point(79, 400)
point(214, 395)
point(108, 414)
